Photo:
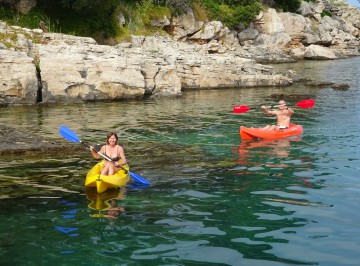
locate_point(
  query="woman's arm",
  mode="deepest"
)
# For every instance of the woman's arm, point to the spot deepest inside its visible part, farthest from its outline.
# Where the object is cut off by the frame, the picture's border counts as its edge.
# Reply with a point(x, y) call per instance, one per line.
point(94, 153)
point(121, 154)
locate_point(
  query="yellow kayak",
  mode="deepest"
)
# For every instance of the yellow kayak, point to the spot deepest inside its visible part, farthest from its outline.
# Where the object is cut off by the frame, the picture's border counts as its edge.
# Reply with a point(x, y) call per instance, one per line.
point(103, 182)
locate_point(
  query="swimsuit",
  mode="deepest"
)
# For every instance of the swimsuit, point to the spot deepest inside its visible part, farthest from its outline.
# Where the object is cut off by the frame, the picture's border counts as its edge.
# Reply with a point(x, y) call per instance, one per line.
point(282, 127)
point(114, 159)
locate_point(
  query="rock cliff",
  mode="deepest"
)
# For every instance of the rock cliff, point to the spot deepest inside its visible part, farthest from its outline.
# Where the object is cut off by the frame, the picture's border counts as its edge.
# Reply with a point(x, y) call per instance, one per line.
point(36, 66)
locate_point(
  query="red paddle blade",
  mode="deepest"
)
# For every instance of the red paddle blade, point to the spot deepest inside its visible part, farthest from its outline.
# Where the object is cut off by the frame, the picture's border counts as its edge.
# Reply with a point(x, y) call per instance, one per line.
point(305, 103)
point(241, 109)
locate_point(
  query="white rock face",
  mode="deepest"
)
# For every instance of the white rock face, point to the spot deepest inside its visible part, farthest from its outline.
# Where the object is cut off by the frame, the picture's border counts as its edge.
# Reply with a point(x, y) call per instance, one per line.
point(18, 81)
point(185, 24)
point(319, 53)
point(271, 22)
point(77, 69)
point(89, 72)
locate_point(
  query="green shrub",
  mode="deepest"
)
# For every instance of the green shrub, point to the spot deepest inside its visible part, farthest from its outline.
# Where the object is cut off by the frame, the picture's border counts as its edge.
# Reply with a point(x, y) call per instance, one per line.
point(326, 13)
point(99, 18)
point(232, 13)
point(98, 22)
point(288, 5)
point(176, 7)
point(138, 17)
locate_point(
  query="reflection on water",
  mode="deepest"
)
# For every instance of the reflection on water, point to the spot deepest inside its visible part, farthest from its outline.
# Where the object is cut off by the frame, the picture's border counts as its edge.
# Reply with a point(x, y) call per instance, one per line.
point(213, 199)
point(106, 203)
point(270, 147)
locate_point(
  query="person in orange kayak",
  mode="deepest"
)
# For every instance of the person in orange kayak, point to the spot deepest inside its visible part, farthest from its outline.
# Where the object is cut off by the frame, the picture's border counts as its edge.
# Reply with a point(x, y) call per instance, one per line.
point(283, 116)
point(112, 150)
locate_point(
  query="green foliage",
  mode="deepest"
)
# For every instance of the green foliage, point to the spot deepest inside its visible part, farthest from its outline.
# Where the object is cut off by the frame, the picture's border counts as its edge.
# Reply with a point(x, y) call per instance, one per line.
point(80, 4)
point(288, 5)
point(85, 6)
point(199, 11)
point(176, 7)
point(326, 13)
point(93, 18)
point(31, 20)
point(99, 18)
point(8, 39)
point(232, 13)
point(138, 16)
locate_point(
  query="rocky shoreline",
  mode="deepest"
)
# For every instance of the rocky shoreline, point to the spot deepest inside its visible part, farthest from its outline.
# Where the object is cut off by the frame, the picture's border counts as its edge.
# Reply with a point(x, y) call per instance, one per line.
point(38, 67)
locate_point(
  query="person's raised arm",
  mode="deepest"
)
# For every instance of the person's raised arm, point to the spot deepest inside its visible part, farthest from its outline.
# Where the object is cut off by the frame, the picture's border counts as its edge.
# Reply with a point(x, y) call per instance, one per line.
point(291, 111)
point(266, 111)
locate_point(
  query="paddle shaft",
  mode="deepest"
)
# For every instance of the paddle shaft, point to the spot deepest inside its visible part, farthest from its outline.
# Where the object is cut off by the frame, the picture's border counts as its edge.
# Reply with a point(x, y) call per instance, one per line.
point(274, 106)
point(302, 104)
point(104, 156)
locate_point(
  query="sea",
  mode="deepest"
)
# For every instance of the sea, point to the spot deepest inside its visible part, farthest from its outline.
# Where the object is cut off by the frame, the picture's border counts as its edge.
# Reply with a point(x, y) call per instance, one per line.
point(214, 198)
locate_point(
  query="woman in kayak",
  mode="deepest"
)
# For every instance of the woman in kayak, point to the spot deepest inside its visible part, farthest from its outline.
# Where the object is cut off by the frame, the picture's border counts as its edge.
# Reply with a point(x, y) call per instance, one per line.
point(113, 151)
point(283, 116)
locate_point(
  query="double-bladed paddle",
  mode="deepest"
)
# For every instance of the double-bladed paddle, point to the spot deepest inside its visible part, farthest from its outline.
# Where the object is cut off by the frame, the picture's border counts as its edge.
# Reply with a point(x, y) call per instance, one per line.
point(72, 137)
point(238, 109)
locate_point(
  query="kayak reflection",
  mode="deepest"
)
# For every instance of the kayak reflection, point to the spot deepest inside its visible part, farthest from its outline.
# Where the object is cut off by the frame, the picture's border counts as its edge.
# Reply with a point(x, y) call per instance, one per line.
point(267, 147)
point(105, 203)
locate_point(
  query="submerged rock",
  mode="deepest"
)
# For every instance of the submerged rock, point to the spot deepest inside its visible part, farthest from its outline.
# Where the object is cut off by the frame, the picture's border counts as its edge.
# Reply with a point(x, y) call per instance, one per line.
point(17, 142)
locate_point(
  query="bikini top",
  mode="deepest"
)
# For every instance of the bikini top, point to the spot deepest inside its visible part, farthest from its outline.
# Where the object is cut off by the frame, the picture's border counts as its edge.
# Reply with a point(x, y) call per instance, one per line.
point(114, 159)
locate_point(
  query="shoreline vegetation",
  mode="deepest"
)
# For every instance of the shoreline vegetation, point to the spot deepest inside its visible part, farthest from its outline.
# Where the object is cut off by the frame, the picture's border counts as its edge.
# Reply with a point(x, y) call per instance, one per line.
point(113, 21)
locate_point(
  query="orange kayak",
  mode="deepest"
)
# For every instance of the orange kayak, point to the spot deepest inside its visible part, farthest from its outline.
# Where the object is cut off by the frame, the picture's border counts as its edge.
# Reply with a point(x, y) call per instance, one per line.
point(249, 133)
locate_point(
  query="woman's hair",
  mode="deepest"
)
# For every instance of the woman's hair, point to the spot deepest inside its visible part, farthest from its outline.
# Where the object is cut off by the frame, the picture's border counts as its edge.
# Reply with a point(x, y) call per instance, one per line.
point(111, 134)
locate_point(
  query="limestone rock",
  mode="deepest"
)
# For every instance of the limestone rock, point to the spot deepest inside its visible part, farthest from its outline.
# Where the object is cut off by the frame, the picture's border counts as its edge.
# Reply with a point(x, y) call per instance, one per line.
point(319, 53)
point(19, 83)
point(184, 25)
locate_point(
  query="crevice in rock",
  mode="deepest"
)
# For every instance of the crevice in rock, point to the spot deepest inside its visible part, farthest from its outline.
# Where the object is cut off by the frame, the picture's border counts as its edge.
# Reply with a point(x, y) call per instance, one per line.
point(39, 97)
point(154, 80)
point(34, 53)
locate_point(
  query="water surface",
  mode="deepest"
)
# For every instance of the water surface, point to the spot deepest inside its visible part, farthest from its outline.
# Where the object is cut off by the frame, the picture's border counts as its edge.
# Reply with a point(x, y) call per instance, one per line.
point(214, 200)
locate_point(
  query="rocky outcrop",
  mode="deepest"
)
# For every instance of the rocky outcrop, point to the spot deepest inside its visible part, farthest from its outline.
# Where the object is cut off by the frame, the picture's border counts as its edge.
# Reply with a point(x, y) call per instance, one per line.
point(185, 25)
point(282, 37)
point(318, 52)
point(72, 69)
point(87, 72)
point(236, 72)
point(36, 66)
point(293, 34)
point(18, 80)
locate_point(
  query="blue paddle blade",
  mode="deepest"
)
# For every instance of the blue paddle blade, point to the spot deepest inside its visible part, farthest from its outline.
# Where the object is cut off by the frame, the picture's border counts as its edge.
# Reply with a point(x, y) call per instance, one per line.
point(139, 179)
point(68, 134)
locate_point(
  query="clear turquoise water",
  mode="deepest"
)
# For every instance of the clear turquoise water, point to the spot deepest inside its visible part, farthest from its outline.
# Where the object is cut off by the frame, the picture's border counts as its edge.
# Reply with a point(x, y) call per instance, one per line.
point(214, 199)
